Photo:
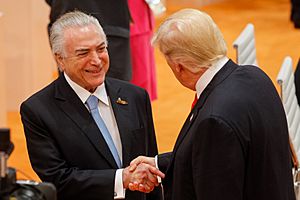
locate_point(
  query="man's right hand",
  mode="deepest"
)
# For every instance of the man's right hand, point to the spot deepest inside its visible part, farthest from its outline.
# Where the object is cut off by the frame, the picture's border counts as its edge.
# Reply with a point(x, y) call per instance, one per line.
point(141, 175)
point(141, 159)
point(148, 174)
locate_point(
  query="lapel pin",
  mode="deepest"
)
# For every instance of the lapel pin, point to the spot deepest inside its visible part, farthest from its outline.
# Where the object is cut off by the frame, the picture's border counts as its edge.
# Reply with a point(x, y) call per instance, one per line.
point(121, 101)
point(192, 116)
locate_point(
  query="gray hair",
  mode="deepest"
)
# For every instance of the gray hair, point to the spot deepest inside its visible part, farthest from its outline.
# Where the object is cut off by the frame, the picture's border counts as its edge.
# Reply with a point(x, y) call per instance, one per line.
point(191, 37)
point(69, 20)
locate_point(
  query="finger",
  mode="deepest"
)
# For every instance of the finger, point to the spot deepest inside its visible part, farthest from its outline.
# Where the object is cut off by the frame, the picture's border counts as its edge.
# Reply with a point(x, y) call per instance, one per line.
point(146, 175)
point(146, 188)
point(150, 183)
point(142, 188)
point(133, 186)
point(132, 167)
point(137, 160)
point(138, 187)
point(152, 178)
point(156, 171)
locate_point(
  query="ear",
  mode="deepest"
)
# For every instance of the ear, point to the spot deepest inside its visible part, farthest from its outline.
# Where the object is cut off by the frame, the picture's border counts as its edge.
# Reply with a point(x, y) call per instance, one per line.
point(59, 61)
point(179, 67)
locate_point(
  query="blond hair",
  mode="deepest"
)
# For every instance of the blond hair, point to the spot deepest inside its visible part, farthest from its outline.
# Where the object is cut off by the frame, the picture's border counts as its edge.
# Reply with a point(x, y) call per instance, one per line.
point(191, 37)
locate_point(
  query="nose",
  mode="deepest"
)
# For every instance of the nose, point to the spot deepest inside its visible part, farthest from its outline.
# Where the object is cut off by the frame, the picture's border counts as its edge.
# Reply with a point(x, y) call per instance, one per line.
point(95, 58)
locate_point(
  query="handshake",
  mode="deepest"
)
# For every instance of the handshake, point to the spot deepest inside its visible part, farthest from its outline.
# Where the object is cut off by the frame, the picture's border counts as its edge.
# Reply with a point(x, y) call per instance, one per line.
point(141, 175)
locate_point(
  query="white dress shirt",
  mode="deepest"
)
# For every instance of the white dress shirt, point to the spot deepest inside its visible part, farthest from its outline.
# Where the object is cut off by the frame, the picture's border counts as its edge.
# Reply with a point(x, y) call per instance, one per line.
point(107, 114)
point(208, 75)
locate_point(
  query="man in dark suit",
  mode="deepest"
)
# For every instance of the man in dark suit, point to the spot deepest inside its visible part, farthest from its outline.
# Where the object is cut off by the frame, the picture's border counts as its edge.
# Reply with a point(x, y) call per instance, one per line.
point(66, 144)
point(114, 17)
point(234, 144)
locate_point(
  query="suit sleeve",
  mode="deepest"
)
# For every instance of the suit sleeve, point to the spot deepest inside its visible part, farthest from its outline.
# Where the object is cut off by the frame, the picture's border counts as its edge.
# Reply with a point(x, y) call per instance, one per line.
point(164, 161)
point(218, 161)
point(48, 162)
point(151, 146)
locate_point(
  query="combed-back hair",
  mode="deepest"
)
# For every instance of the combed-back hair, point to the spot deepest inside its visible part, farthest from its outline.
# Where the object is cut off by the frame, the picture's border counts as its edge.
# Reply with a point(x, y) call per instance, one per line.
point(191, 37)
point(69, 20)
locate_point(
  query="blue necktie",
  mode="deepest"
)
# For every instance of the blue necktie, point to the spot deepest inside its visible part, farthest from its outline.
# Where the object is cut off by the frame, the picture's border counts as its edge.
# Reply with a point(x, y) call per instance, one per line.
point(92, 103)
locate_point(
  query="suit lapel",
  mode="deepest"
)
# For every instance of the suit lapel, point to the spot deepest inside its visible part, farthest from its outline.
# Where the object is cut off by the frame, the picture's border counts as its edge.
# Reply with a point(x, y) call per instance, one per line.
point(72, 106)
point(122, 116)
point(228, 68)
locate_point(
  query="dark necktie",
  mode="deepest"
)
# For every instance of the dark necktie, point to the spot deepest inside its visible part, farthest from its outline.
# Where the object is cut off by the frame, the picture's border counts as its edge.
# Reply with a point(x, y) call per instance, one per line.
point(92, 103)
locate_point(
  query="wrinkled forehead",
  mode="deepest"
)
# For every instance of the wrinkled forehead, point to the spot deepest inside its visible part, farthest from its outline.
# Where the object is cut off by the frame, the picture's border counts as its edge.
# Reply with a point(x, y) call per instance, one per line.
point(84, 30)
point(83, 37)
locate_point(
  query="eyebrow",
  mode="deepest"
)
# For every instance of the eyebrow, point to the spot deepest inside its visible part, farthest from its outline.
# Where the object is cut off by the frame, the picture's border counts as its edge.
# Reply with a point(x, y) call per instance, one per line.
point(87, 49)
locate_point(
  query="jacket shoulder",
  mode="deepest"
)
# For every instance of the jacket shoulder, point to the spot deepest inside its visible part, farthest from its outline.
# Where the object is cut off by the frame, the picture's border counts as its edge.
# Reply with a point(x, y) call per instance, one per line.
point(44, 93)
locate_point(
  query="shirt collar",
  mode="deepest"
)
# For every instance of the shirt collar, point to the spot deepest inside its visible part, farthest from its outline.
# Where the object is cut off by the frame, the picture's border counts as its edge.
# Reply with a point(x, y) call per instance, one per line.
point(208, 75)
point(83, 94)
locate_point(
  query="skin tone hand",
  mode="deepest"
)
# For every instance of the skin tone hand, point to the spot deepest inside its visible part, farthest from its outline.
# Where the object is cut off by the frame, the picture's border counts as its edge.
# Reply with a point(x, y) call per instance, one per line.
point(144, 176)
point(140, 161)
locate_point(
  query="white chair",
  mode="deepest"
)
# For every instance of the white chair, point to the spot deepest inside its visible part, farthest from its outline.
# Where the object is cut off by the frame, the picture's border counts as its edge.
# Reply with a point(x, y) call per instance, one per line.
point(245, 47)
point(285, 79)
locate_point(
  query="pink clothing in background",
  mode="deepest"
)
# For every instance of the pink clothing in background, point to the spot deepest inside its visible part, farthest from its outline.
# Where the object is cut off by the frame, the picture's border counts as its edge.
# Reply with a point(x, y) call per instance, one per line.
point(142, 53)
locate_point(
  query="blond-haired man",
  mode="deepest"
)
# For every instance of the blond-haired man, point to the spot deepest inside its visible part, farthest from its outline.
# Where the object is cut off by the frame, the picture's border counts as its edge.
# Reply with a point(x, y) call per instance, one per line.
point(234, 143)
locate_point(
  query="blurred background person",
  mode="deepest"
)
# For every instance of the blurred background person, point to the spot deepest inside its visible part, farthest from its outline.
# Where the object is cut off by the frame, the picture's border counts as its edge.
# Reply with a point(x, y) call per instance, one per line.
point(114, 17)
point(142, 52)
point(295, 13)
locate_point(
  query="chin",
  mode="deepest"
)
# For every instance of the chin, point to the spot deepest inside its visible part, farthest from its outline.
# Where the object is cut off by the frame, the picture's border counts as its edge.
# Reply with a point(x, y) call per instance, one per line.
point(98, 82)
point(94, 82)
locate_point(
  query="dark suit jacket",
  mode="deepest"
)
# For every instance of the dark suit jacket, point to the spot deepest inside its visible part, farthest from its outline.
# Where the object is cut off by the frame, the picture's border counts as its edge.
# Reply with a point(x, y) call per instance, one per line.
point(234, 143)
point(114, 17)
point(66, 147)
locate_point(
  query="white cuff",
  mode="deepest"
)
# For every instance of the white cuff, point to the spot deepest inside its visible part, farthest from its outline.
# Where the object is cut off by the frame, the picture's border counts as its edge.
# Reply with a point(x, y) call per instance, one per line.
point(156, 165)
point(119, 192)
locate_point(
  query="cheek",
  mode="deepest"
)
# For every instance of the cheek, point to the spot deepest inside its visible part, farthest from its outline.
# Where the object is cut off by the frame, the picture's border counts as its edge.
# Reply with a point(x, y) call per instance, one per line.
point(105, 60)
point(80, 65)
point(105, 57)
point(107, 64)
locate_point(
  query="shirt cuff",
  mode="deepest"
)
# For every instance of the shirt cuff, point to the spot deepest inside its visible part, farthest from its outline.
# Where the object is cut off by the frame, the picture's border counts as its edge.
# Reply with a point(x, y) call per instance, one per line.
point(119, 191)
point(156, 165)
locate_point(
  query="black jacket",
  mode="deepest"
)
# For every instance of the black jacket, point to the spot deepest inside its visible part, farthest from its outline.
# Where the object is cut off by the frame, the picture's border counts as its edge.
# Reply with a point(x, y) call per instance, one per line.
point(66, 147)
point(234, 144)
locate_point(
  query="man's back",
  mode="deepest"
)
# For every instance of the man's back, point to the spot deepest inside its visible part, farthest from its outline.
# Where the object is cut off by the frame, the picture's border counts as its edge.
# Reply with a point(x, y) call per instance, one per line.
point(234, 144)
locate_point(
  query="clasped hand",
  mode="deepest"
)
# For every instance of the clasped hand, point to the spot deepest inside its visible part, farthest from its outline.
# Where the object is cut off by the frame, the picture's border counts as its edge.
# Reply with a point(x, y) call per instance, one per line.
point(141, 175)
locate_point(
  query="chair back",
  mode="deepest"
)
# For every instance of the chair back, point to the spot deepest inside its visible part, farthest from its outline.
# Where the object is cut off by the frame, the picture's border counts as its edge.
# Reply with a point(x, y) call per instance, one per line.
point(285, 79)
point(245, 47)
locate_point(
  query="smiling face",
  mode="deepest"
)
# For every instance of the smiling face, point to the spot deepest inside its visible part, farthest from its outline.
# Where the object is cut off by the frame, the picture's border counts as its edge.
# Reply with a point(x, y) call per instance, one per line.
point(85, 59)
